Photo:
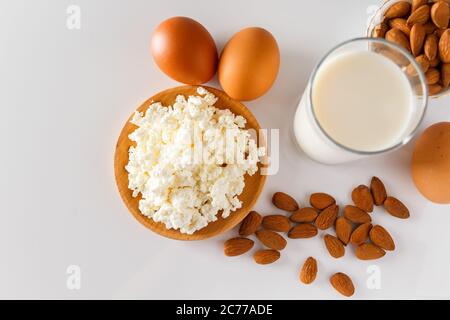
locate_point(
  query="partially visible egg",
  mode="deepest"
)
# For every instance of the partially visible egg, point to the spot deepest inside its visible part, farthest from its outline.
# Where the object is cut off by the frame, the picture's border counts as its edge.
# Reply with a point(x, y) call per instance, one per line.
point(431, 163)
point(184, 50)
point(249, 64)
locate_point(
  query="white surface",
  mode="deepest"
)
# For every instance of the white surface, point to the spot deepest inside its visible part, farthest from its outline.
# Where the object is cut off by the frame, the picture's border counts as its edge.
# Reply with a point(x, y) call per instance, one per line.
point(64, 98)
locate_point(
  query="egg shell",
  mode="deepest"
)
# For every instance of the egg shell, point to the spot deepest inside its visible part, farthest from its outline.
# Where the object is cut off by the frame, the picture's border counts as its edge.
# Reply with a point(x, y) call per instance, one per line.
point(249, 64)
point(431, 163)
point(184, 50)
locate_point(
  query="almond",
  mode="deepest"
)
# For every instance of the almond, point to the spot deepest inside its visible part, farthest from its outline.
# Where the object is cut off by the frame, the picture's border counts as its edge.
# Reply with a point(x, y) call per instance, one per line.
point(420, 15)
point(433, 76)
point(445, 74)
point(360, 234)
point(277, 223)
point(369, 251)
point(284, 201)
point(237, 246)
point(378, 191)
point(382, 238)
point(424, 63)
point(400, 23)
point(334, 246)
point(444, 47)
point(435, 62)
point(417, 38)
point(303, 231)
point(304, 215)
point(440, 14)
point(380, 30)
point(356, 215)
point(434, 89)
point(396, 208)
point(271, 239)
point(362, 198)
point(266, 256)
point(343, 284)
point(431, 46)
point(250, 224)
point(327, 217)
point(321, 200)
point(343, 229)
point(418, 3)
point(398, 37)
point(308, 272)
point(429, 27)
point(398, 10)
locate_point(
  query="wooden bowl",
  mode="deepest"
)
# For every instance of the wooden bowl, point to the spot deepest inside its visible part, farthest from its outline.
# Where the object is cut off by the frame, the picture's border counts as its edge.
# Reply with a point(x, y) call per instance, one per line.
point(253, 184)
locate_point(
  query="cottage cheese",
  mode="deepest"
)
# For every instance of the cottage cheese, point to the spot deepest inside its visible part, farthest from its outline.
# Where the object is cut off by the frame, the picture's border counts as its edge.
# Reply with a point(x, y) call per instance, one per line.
point(189, 161)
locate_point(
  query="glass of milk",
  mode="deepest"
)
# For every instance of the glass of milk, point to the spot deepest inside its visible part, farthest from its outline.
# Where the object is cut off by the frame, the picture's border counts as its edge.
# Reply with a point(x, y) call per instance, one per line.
point(367, 96)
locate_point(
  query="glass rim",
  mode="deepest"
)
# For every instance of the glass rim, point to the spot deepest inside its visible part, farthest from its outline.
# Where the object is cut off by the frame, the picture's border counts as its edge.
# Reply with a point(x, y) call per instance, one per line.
point(404, 140)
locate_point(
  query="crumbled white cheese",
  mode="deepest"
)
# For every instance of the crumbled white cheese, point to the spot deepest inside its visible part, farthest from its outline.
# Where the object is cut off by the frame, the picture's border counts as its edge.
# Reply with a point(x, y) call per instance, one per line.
point(189, 161)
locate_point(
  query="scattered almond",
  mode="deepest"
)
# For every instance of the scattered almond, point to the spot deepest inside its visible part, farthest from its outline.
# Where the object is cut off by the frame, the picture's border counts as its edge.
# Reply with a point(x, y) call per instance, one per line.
point(356, 215)
point(396, 208)
point(440, 14)
point(444, 47)
point(308, 272)
point(398, 10)
point(360, 234)
point(266, 256)
point(362, 198)
point(327, 217)
point(400, 24)
point(343, 284)
point(420, 15)
point(277, 223)
point(271, 239)
point(237, 246)
point(250, 224)
point(304, 215)
point(334, 246)
point(398, 37)
point(369, 251)
point(303, 231)
point(284, 201)
point(344, 229)
point(433, 76)
point(380, 237)
point(378, 191)
point(445, 74)
point(431, 46)
point(321, 200)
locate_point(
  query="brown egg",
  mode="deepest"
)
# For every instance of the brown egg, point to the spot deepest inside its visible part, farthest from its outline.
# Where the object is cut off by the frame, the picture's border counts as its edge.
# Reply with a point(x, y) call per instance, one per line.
point(249, 64)
point(184, 50)
point(431, 163)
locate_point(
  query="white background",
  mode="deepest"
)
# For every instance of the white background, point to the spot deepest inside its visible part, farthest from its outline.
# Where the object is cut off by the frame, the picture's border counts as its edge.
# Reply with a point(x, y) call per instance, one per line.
point(64, 96)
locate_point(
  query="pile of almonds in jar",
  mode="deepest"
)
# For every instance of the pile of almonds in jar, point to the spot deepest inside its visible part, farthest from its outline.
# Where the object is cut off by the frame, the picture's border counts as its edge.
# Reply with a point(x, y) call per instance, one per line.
point(353, 227)
point(421, 27)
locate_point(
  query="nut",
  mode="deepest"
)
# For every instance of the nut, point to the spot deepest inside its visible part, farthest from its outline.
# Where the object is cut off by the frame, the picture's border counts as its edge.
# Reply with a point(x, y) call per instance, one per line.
point(321, 200)
point(360, 234)
point(266, 256)
point(382, 238)
point(334, 246)
point(250, 224)
point(284, 201)
point(362, 198)
point(271, 240)
point(277, 223)
point(343, 284)
point(356, 215)
point(396, 208)
point(308, 272)
point(369, 251)
point(378, 191)
point(237, 246)
point(343, 229)
point(303, 231)
point(327, 217)
point(304, 215)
